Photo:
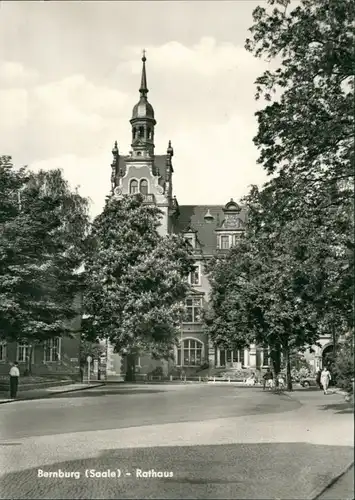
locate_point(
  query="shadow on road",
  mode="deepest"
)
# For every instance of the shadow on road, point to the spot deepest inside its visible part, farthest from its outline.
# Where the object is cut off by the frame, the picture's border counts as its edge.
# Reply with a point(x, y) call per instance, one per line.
point(99, 393)
point(339, 407)
point(239, 471)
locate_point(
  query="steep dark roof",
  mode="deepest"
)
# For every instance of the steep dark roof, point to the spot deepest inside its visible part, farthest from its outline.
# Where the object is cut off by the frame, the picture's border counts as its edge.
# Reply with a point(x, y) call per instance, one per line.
point(194, 215)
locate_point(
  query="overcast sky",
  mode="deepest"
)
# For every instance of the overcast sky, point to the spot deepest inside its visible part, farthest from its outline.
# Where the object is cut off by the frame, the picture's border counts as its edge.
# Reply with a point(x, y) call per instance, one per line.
point(70, 74)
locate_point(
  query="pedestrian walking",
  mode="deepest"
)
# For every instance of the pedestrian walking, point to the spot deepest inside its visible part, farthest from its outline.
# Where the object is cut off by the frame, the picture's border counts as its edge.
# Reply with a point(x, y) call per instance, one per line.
point(318, 376)
point(14, 377)
point(325, 378)
point(266, 378)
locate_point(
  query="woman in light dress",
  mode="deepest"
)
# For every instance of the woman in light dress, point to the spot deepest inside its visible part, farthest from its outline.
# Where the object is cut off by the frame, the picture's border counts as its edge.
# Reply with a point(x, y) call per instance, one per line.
point(325, 378)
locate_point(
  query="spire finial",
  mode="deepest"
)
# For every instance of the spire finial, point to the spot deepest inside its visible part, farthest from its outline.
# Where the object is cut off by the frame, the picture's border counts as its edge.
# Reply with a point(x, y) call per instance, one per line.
point(115, 149)
point(143, 89)
point(170, 150)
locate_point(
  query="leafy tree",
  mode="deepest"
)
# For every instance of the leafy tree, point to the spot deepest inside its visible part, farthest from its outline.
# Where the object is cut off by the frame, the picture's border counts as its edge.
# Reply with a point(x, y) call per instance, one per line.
point(93, 349)
point(306, 132)
point(135, 279)
point(301, 223)
point(43, 226)
point(343, 366)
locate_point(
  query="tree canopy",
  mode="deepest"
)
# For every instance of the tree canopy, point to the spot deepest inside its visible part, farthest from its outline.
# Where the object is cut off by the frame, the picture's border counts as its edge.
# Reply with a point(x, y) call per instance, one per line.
point(43, 226)
point(290, 279)
point(135, 279)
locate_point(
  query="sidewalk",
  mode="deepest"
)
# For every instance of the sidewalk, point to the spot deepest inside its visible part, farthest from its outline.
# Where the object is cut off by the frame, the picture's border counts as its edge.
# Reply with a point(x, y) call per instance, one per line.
point(342, 488)
point(50, 391)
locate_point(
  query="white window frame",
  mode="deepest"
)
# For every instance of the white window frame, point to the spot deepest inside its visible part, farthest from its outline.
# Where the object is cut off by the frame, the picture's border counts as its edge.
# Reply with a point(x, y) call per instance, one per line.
point(3, 351)
point(139, 186)
point(51, 349)
point(268, 361)
point(198, 266)
point(238, 356)
point(225, 237)
point(26, 350)
point(181, 348)
point(193, 307)
point(129, 186)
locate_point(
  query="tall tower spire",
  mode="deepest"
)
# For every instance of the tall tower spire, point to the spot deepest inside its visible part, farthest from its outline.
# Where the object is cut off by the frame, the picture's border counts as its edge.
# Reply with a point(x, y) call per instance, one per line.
point(143, 120)
point(143, 88)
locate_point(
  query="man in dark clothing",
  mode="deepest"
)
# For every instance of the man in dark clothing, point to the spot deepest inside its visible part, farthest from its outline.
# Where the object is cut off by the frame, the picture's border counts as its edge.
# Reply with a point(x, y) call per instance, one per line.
point(267, 376)
point(14, 376)
point(318, 375)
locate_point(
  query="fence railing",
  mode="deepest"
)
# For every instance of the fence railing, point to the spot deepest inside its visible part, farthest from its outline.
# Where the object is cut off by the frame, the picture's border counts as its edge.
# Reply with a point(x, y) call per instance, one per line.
point(185, 378)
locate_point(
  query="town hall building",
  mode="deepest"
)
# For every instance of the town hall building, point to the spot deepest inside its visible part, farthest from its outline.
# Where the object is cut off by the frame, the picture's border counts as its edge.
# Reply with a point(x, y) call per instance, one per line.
point(208, 228)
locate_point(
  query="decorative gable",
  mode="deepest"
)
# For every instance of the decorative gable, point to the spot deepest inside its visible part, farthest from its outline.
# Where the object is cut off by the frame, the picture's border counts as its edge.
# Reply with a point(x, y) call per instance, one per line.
point(232, 220)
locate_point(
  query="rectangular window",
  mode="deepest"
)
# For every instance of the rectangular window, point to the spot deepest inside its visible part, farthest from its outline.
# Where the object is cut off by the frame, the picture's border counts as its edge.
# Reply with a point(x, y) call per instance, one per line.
point(23, 352)
point(193, 310)
point(2, 351)
point(224, 242)
point(265, 356)
point(238, 356)
point(241, 356)
point(195, 276)
point(52, 350)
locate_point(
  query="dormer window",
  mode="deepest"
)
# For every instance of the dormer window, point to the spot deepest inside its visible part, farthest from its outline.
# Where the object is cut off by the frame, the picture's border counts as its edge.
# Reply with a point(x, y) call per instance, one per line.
point(190, 236)
point(225, 242)
point(190, 240)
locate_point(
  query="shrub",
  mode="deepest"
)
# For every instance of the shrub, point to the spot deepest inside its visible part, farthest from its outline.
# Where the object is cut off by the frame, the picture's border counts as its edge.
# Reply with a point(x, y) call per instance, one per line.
point(157, 372)
point(343, 367)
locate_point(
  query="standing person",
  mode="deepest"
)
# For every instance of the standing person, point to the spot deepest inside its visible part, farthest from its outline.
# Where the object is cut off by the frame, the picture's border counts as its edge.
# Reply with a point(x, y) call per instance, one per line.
point(14, 377)
point(325, 378)
point(267, 376)
point(318, 376)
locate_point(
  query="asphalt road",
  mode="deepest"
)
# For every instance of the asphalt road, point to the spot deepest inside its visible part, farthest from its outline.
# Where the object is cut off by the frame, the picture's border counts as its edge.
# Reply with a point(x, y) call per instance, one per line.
point(210, 441)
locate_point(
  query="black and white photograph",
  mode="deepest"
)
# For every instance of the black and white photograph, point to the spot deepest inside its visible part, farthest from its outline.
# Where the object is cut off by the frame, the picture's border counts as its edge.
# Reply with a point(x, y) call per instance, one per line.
point(177, 249)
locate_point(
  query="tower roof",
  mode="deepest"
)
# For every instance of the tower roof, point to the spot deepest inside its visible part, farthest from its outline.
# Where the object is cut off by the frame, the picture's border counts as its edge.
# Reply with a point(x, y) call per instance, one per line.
point(143, 109)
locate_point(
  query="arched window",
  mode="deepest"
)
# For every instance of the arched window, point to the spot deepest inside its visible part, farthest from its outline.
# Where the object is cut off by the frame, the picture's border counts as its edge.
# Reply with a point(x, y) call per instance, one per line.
point(144, 187)
point(133, 187)
point(149, 133)
point(190, 353)
point(141, 132)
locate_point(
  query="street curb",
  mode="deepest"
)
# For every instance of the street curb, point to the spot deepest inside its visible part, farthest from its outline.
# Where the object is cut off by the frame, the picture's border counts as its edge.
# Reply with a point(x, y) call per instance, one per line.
point(332, 482)
point(51, 395)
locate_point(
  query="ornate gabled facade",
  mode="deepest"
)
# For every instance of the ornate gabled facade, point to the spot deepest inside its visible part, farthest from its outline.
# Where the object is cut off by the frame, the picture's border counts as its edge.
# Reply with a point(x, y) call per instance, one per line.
point(208, 228)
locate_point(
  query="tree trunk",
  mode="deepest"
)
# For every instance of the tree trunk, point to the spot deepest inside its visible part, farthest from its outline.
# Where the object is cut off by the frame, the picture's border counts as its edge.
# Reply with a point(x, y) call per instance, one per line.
point(275, 356)
point(334, 338)
point(131, 368)
point(29, 360)
point(288, 369)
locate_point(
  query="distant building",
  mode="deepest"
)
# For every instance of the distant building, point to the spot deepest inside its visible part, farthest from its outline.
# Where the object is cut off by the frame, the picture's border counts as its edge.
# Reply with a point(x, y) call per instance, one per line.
point(208, 228)
point(58, 356)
